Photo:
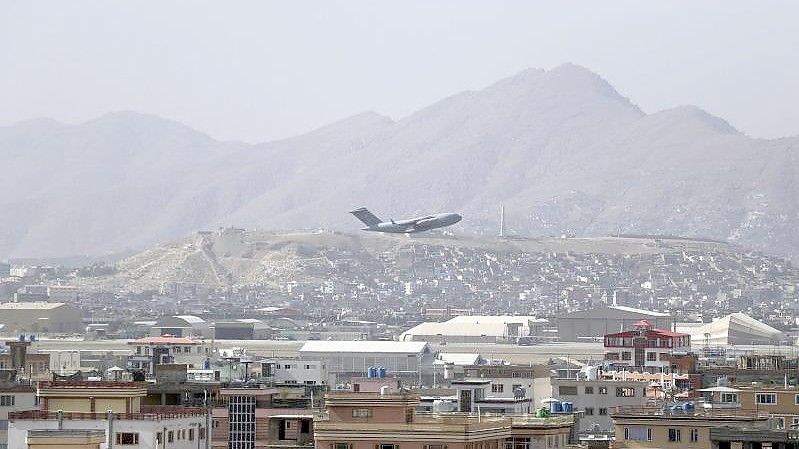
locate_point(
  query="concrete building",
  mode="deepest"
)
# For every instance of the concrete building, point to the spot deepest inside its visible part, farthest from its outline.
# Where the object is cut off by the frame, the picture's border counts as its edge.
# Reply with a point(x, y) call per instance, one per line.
point(390, 421)
point(596, 398)
point(645, 348)
point(113, 408)
point(779, 401)
point(658, 427)
point(511, 381)
point(45, 317)
point(594, 324)
point(294, 371)
point(14, 396)
point(250, 417)
point(152, 351)
point(347, 359)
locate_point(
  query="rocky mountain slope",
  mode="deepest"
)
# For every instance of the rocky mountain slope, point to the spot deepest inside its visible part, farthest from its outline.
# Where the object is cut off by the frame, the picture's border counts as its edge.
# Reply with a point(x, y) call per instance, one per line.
point(560, 149)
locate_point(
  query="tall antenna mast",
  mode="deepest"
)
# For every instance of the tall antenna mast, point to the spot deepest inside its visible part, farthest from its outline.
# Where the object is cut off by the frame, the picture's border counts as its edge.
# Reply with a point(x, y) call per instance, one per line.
point(501, 220)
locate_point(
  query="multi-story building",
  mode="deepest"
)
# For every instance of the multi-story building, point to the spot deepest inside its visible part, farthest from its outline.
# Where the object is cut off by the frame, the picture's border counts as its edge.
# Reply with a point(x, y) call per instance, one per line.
point(247, 417)
point(676, 427)
point(511, 381)
point(645, 348)
point(596, 397)
point(113, 408)
point(781, 402)
point(294, 371)
point(14, 396)
point(390, 421)
point(26, 363)
point(166, 349)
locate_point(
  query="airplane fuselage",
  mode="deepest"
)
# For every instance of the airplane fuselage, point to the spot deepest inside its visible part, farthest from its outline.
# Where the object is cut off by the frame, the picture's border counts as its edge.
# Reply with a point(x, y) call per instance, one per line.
point(419, 224)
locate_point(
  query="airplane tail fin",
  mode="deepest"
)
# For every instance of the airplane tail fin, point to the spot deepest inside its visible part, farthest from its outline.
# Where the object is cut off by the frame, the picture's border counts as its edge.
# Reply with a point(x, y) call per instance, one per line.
point(367, 217)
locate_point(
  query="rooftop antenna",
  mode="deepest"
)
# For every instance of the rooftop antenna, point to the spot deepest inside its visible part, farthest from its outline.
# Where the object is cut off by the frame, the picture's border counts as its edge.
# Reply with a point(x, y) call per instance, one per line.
point(501, 221)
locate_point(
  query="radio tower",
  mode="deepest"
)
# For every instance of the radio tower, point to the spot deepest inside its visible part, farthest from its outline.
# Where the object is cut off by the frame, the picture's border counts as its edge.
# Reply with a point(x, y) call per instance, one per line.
point(501, 221)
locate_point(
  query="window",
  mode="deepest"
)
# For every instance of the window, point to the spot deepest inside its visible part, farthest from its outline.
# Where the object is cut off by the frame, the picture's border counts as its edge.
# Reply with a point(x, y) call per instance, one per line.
point(589, 411)
point(170, 436)
point(795, 423)
point(625, 392)
point(497, 388)
point(286, 366)
point(603, 411)
point(567, 390)
point(127, 438)
point(638, 433)
point(766, 398)
point(796, 399)
point(589, 390)
point(435, 446)
point(694, 435)
point(387, 446)
point(340, 446)
point(674, 435)
point(361, 412)
point(603, 390)
point(177, 349)
point(626, 355)
point(779, 422)
point(191, 434)
point(651, 357)
point(729, 397)
point(158, 437)
point(187, 349)
point(6, 400)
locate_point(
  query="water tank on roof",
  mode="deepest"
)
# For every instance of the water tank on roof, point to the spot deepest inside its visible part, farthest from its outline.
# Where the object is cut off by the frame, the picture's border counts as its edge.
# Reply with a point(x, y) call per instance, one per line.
point(449, 370)
point(382, 372)
point(568, 407)
point(555, 407)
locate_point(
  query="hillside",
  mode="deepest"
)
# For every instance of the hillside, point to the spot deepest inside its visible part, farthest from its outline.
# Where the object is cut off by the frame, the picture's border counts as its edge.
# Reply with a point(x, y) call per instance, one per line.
point(560, 149)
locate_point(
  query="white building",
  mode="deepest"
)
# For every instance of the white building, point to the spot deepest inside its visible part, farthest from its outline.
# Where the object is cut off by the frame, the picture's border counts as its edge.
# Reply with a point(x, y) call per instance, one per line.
point(473, 329)
point(733, 329)
point(112, 407)
point(295, 371)
point(14, 396)
point(347, 359)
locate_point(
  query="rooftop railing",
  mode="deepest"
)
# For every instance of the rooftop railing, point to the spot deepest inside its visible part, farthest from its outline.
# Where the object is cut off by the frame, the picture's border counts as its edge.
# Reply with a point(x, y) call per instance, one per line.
point(149, 415)
point(698, 412)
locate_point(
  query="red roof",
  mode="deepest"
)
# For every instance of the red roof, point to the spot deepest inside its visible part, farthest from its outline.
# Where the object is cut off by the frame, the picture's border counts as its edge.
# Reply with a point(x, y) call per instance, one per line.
point(649, 333)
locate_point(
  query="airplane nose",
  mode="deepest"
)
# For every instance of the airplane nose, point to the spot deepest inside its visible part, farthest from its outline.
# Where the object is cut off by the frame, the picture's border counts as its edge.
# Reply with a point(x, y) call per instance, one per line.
point(456, 218)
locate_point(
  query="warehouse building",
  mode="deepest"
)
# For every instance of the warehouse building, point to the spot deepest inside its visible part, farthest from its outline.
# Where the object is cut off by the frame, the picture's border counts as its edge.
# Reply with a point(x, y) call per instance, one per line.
point(347, 359)
point(734, 329)
point(594, 324)
point(475, 329)
point(45, 317)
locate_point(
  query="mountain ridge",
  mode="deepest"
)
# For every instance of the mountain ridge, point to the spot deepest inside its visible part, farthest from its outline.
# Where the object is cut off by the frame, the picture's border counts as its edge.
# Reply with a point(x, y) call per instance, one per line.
point(561, 149)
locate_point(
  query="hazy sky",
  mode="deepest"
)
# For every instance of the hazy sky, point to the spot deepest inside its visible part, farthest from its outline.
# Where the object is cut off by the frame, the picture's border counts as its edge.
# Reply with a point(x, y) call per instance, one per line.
point(260, 70)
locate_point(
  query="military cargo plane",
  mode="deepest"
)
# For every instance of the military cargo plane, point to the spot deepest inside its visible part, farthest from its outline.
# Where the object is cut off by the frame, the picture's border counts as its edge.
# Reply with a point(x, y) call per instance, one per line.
point(404, 226)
